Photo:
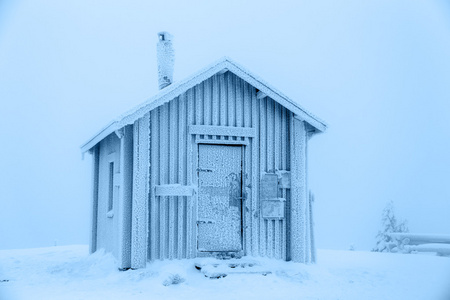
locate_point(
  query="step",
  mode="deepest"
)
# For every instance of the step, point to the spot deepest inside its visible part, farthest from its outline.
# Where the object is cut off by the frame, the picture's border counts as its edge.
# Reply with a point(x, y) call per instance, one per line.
point(219, 269)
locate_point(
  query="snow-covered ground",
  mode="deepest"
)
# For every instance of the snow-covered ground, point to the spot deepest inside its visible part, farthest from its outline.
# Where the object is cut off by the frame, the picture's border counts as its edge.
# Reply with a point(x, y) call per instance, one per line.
point(68, 272)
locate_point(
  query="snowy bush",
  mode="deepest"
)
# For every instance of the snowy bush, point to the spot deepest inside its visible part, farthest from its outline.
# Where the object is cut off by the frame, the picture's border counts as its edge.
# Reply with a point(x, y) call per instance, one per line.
point(390, 224)
point(173, 279)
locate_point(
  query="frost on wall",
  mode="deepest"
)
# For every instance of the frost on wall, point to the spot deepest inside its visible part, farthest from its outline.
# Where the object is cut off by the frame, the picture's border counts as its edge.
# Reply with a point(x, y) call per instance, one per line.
point(298, 191)
point(311, 233)
point(125, 181)
point(140, 193)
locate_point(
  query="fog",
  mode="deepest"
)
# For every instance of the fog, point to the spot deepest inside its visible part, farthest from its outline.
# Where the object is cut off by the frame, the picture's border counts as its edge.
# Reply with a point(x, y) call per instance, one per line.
point(377, 72)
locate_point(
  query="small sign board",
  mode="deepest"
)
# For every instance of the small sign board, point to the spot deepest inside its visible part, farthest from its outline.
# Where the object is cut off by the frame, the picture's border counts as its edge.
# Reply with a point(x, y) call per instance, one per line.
point(284, 180)
point(272, 209)
point(268, 186)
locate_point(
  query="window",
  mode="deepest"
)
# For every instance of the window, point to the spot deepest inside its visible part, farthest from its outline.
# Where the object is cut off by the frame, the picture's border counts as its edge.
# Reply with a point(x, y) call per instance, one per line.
point(111, 187)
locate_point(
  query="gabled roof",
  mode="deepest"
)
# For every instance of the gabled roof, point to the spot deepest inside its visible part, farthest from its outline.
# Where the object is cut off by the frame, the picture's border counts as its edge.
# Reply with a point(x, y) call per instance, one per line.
point(175, 89)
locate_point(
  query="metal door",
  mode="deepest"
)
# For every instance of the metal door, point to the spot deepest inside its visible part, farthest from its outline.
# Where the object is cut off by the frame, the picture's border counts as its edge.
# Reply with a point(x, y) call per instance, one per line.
point(219, 198)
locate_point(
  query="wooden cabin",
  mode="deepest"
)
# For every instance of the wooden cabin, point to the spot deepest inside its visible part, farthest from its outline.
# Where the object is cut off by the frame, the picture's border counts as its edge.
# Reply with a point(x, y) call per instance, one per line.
point(213, 165)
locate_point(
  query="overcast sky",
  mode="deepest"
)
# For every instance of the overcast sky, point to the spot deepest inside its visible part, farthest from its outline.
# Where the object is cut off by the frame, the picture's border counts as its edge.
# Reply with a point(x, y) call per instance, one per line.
point(376, 71)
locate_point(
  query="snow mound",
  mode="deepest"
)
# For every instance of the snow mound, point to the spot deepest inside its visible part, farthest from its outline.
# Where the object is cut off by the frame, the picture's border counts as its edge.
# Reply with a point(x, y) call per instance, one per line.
point(70, 273)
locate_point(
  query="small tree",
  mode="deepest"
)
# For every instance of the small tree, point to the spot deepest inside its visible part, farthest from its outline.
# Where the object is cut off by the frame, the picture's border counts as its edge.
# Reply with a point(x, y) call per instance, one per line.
point(390, 224)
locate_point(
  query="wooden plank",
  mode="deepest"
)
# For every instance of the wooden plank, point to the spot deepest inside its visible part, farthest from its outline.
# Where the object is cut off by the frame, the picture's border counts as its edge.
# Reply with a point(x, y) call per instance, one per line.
point(173, 173)
point(247, 122)
point(223, 100)
point(247, 175)
point(284, 143)
point(231, 100)
point(298, 190)
point(125, 196)
point(215, 99)
point(270, 165)
point(288, 224)
point(154, 179)
point(308, 231)
point(94, 201)
point(195, 197)
point(283, 228)
point(182, 132)
point(255, 176)
point(262, 164)
point(282, 238)
point(246, 205)
point(239, 102)
point(163, 174)
point(222, 130)
point(199, 104)
point(271, 238)
point(311, 226)
point(221, 141)
point(141, 156)
point(294, 168)
point(284, 140)
point(270, 135)
point(190, 229)
point(277, 166)
point(207, 112)
point(277, 137)
point(174, 190)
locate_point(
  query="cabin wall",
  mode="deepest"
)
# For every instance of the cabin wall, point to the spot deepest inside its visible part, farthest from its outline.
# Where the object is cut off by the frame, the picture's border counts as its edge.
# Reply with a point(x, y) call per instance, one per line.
point(108, 220)
point(223, 100)
point(274, 156)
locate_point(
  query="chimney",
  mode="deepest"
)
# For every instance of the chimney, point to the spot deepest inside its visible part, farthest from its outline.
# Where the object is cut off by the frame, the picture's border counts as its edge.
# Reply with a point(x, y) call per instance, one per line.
point(165, 56)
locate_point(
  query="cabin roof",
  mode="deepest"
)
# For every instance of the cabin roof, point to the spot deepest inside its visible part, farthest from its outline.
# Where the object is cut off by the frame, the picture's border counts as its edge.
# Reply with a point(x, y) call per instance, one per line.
point(177, 88)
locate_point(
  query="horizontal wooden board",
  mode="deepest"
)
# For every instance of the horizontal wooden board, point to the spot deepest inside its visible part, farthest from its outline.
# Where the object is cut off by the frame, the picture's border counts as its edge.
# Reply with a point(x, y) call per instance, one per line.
point(222, 130)
point(221, 142)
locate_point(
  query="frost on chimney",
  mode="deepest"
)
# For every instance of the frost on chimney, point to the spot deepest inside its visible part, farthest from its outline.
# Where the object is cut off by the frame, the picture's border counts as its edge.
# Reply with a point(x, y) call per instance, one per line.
point(165, 56)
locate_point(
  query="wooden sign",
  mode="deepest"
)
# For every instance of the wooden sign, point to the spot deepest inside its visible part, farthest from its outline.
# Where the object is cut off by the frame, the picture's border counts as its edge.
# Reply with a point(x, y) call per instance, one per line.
point(272, 209)
point(269, 186)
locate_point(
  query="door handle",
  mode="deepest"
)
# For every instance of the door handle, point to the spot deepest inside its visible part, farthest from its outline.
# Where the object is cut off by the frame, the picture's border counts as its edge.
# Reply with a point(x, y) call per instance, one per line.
point(204, 170)
point(205, 222)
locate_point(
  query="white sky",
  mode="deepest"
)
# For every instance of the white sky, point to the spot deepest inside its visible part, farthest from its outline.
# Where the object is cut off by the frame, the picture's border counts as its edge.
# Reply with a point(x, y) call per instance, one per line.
point(378, 72)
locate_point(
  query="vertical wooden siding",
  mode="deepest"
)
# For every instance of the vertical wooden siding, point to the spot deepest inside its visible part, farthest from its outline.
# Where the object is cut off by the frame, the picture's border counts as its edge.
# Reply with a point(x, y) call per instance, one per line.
point(223, 100)
point(273, 157)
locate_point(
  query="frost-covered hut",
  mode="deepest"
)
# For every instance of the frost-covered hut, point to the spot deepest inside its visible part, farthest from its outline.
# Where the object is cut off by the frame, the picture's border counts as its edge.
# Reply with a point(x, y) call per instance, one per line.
point(215, 164)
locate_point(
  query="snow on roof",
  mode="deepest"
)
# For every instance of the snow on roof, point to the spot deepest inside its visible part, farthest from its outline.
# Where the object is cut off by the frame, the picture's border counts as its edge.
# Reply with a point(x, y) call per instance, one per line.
point(174, 90)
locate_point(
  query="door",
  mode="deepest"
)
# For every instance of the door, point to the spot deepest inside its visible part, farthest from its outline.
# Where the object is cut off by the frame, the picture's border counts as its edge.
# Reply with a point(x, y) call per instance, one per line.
point(219, 198)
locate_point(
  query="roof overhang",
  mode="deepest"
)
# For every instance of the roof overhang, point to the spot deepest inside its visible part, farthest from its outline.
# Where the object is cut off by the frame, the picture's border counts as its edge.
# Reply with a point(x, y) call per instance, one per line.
point(174, 90)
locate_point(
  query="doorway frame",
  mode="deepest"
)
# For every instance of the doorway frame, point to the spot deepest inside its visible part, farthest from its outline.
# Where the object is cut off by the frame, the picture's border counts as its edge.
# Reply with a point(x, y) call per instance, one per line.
point(222, 135)
point(233, 143)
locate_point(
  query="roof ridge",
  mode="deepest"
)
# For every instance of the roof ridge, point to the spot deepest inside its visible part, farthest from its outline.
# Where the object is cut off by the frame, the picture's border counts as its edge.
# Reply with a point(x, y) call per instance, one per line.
point(175, 89)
